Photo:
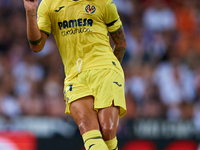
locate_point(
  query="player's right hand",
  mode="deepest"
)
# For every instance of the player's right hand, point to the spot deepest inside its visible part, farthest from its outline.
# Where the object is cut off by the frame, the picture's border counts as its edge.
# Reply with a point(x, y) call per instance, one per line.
point(30, 5)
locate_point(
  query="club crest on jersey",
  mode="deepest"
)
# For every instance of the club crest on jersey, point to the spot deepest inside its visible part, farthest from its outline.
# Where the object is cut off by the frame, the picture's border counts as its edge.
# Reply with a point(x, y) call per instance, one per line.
point(90, 9)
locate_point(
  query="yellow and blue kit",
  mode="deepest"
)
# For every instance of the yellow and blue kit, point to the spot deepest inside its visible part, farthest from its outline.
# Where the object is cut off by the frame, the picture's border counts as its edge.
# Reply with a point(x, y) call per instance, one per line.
point(80, 29)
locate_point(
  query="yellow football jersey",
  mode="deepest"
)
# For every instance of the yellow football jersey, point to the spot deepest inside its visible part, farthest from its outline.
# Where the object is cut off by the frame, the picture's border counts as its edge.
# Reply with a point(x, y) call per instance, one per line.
point(80, 29)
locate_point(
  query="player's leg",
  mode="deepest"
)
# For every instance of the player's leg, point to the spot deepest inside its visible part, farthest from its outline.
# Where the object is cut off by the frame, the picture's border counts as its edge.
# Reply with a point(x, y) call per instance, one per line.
point(110, 103)
point(82, 110)
point(109, 122)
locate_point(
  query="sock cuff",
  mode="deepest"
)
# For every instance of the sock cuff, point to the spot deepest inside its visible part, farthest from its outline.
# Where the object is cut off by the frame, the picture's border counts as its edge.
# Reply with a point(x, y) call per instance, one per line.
point(112, 143)
point(112, 140)
point(93, 134)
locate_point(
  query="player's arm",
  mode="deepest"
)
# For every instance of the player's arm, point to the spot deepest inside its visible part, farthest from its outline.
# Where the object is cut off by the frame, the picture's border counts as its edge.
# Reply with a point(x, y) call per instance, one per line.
point(114, 26)
point(36, 38)
point(120, 43)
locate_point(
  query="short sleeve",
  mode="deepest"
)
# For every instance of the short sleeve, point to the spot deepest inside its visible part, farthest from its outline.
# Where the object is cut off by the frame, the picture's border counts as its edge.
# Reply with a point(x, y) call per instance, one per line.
point(111, 17)
point(43, 18)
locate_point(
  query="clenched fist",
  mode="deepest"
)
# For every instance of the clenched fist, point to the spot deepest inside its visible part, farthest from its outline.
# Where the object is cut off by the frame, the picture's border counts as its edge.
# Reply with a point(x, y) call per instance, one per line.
point(30, 5)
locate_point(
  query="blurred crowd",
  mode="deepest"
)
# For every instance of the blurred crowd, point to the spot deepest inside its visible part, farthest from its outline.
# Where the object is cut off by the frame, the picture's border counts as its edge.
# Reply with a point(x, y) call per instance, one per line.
point(161, 64)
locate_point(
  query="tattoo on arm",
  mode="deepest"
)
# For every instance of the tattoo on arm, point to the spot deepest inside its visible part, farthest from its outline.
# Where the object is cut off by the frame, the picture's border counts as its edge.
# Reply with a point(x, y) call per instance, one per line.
point(120, 43)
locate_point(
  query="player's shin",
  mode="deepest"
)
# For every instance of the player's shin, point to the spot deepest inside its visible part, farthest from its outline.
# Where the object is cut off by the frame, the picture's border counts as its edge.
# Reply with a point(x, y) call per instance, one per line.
point(93, 140)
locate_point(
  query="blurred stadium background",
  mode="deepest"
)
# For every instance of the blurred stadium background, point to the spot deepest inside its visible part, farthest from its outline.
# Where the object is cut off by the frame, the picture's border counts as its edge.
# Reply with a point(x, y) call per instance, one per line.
point(162, 70)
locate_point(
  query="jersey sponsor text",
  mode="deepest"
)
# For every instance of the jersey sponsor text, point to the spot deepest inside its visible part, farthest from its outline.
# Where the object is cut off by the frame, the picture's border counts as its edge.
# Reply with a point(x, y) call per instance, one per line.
point(74, 23)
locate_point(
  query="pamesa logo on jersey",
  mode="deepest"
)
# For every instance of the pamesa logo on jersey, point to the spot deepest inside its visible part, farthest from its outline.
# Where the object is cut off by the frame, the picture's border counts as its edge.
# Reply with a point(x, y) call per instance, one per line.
point(90, 9)
point(75, 26)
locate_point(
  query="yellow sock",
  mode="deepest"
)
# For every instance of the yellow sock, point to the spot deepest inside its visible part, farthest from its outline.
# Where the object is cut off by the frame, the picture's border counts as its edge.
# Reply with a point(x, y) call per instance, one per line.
point(112, 144)
point(93, 140)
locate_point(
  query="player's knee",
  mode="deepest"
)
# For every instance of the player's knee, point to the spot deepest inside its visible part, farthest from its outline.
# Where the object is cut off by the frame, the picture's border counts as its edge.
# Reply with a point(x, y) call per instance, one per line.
point(108, 132)
point(85, 123)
